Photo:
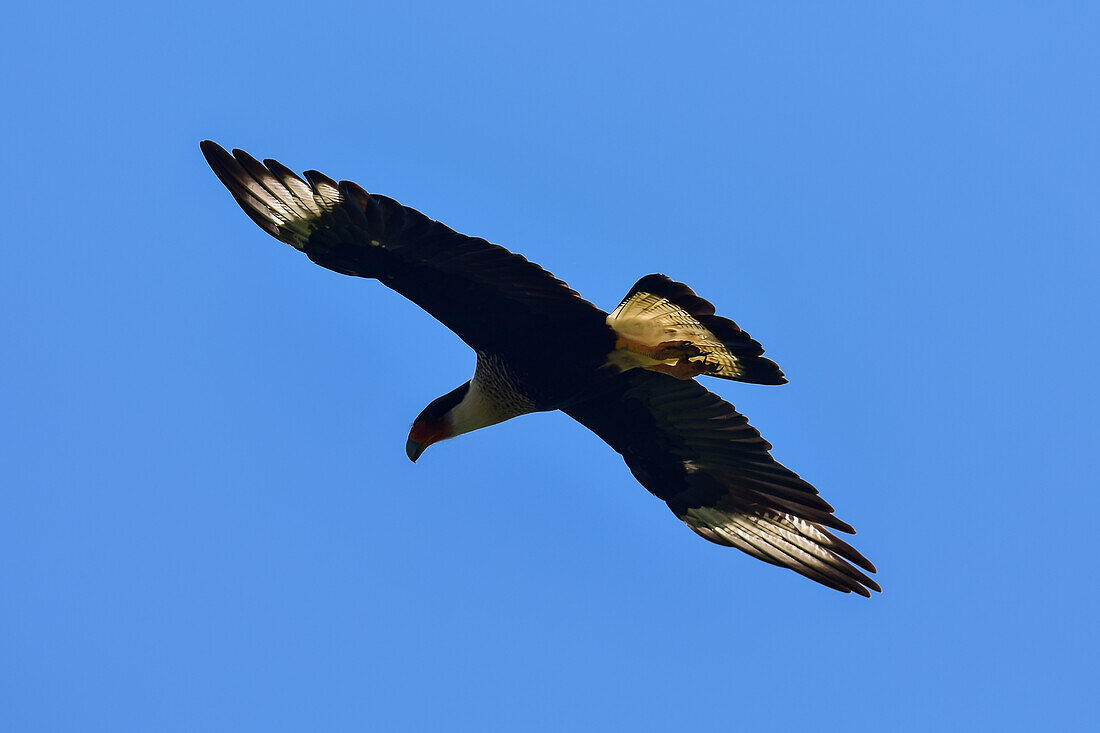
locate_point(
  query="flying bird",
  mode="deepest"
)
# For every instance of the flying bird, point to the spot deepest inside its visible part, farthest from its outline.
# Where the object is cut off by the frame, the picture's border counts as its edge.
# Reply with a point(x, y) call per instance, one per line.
point(628, 376)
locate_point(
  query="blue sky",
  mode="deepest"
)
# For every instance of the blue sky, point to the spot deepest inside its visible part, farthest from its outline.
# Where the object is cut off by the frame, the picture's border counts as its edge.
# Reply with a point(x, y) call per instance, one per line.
point(208, 521)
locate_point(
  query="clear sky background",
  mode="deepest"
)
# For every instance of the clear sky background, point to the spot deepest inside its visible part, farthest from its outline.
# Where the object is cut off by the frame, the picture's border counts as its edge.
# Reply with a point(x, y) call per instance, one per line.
point(207, 519)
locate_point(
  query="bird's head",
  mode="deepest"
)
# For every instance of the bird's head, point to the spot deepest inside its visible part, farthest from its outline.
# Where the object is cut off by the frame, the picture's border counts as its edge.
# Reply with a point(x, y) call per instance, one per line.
point(434, 423)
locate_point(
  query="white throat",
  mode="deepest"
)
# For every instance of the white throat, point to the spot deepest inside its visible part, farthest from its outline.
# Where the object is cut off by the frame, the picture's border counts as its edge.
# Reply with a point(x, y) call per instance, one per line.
point(492, 398)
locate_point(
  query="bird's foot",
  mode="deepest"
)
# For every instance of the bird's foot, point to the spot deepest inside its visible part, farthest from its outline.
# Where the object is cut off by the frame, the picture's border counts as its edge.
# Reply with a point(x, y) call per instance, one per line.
point(685, 368)
point(662, 351)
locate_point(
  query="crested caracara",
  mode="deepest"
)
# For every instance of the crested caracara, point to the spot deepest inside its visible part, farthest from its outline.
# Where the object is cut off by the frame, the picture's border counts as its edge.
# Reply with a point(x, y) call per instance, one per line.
point(628, 376)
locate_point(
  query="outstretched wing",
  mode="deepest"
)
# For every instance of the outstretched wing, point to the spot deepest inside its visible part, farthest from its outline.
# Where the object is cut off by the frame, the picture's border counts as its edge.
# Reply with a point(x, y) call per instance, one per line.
point(484, 293)
point(696, 452)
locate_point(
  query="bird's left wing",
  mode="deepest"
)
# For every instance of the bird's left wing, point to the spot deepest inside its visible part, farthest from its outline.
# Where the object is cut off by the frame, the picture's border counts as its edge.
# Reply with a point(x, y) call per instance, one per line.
point(696, 452)
point(481, 291)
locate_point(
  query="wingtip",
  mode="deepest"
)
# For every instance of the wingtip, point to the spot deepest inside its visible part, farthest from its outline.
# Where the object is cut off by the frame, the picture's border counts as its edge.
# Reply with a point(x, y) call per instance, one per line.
point(219, 160)
point(316, 177)
point(210, 148)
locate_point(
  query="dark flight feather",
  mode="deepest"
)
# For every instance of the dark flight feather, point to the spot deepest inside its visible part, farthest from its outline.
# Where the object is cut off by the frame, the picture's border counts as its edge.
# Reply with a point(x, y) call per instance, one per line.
point(461, 281)
point(687, 446)
point(697, 453)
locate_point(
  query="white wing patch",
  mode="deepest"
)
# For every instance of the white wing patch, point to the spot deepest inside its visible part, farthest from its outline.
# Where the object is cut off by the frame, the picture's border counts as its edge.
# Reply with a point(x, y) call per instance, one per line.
point(328, 196)
point(283, 204)
point(781, 539)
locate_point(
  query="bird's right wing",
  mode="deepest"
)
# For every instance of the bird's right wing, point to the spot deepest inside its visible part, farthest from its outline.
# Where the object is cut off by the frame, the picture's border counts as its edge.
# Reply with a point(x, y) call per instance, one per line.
point(481, 291)
point(696, 452)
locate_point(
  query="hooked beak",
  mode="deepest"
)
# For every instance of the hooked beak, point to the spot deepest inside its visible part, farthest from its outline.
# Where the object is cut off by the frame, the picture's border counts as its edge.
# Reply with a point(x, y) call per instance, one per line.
point(413, 449)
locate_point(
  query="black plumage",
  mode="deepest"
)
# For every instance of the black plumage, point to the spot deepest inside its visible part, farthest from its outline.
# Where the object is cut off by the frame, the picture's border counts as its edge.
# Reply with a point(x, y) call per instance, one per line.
point(541, 346)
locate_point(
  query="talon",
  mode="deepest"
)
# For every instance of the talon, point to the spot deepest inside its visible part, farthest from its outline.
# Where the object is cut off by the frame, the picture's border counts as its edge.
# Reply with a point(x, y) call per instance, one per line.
point(674, 350)
point(683, 369)
point(710, 365)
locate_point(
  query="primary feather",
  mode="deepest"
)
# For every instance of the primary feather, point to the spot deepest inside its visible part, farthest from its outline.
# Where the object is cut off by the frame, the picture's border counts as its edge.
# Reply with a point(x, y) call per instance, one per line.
point(627, 376)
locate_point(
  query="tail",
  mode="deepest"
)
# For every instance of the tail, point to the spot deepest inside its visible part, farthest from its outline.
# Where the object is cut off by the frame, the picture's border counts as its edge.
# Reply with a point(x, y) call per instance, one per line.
point(664, 326)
